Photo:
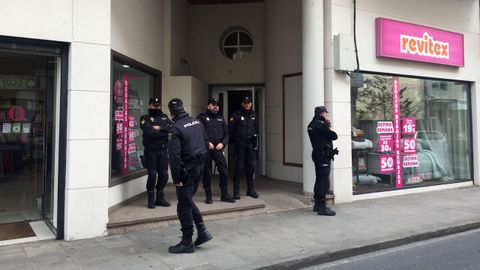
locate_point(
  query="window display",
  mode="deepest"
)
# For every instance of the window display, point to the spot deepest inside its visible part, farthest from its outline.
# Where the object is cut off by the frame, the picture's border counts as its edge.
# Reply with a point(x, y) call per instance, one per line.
point(131, 90)
point(409, 132)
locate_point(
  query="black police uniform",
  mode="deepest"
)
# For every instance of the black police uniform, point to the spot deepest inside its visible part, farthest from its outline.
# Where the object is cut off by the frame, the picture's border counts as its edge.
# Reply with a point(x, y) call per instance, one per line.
point(243, 134)
point(187, 150)
point(217, 132)
point(321, 137)
point(156, 155)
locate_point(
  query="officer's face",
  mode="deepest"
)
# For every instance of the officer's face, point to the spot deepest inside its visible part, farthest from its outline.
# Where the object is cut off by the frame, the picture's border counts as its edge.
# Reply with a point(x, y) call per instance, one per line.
point(247, 105)
point(155, 106)
point(213, 107)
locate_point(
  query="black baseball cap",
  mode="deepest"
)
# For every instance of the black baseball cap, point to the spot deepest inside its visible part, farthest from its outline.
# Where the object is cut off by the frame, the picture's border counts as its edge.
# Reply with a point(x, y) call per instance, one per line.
point(154, 100)
point(175, 104)
point(320, 109)
point(214, 100)
point(246, 99)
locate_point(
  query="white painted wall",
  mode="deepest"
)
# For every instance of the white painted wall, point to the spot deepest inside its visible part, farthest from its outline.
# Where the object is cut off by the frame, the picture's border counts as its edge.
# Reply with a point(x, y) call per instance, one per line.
point(138, 30)
point(458, 16)
point(180, 45)
point(207, 23)
point(283, 36)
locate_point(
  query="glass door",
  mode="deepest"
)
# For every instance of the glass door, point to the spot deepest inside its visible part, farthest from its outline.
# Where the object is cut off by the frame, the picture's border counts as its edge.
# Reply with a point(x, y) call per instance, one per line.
point(28, 84)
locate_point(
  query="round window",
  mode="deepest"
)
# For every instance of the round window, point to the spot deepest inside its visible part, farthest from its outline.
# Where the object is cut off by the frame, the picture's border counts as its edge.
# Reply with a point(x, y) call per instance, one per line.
point(236, 43)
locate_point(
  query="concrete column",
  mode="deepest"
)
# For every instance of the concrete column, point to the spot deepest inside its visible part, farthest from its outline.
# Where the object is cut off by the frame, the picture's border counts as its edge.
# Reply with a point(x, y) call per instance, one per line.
point(312, 79)
point(476, 135)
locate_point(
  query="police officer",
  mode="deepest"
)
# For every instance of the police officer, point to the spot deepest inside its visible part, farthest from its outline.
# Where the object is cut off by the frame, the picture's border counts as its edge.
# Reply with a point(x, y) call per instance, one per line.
point(321, 136)
point(217, 133)
point(243, 133)
point(155, 126)
point(187, 150)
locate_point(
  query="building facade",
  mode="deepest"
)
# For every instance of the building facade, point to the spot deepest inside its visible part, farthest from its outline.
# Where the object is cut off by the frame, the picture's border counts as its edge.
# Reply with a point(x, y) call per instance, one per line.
point(75, 76)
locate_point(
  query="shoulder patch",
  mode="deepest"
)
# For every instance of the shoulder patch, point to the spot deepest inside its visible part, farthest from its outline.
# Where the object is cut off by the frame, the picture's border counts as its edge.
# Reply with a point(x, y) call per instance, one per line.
point(231, 119)
point(142, 121)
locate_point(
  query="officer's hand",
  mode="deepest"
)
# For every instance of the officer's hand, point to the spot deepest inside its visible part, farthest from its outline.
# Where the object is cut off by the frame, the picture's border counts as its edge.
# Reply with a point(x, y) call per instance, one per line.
point(219, 146)
point(210, 146)
point(179, 184)
point(157, 128)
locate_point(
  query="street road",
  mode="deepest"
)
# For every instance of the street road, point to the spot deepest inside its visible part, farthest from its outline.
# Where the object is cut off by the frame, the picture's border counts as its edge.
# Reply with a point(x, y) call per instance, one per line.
point(458, 252)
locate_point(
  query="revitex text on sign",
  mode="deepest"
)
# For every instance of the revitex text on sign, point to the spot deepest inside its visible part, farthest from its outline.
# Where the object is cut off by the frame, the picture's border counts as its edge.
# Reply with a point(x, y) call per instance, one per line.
point(408, 41)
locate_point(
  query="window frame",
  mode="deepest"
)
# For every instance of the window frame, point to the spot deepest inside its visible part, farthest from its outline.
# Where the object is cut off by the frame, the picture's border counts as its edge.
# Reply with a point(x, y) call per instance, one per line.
point(157, 91)
point(235, 30)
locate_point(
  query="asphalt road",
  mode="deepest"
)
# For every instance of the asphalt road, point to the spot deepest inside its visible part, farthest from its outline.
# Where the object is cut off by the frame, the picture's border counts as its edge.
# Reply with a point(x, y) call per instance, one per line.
point(457, 252)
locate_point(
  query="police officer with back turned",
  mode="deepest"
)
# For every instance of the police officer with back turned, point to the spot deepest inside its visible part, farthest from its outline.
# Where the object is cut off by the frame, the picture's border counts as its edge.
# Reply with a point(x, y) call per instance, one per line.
point(217, 132)
point(321, 136)
point(243, 133)
point(187, 150)
point(155, 126)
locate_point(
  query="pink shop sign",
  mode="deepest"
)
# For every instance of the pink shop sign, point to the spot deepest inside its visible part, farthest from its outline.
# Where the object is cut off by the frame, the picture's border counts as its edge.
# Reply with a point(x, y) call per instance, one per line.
point(395, 39)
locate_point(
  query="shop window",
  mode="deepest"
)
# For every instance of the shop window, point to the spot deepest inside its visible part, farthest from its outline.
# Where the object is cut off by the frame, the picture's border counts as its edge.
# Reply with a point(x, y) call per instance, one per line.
point(133, 84)
point(409, 132)
point(236, 43)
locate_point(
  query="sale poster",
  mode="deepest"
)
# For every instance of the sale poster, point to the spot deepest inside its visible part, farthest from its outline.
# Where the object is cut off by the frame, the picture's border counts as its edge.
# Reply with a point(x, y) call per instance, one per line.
point(397, 129)
point(385, 143)
point(409, 145)
point(409, 125)
point(410, 161)
point(384, 127)
point(386, 164)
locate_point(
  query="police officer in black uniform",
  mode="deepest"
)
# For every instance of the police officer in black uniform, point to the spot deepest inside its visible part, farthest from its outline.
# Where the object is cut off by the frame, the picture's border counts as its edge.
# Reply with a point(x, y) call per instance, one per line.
point(187, 150)
point(155, 126)
point(243, 133)
point(321, 136)
point(217, 132)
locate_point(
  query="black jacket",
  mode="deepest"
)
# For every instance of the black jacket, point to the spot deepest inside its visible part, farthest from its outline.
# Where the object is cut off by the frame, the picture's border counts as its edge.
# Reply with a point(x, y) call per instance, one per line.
point(321, 137)
point(244, 127)
point(187, 146)
point(153, 139)
point(215, 127)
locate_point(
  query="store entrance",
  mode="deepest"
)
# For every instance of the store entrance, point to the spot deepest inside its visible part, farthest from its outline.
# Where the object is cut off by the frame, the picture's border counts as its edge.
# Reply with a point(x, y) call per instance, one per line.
point(230, 102)
point(28, 83)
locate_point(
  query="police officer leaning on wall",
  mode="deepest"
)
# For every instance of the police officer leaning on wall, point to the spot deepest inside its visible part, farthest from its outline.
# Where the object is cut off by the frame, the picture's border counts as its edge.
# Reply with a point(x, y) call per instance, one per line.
point(243, 134)
point(217, 133)
point(321, 136)
point(155, 126)
point(187, 150)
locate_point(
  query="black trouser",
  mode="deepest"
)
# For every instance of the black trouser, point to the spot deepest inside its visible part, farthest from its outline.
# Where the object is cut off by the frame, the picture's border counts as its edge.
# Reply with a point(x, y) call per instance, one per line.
point(322, 181)
point(244, 155)
point(157, 163)
point(219, 159)
point(187, 211)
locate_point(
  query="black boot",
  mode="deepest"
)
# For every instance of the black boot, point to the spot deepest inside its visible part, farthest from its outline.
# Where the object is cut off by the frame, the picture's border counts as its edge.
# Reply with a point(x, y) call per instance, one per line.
point(236, 192)
point(203, 234)
point(323, 210)
point(208, 196)
point(225, 197)
point(151, 199)
point(251, 191)
point(161, 199)
point(315, 208)
point(185, 246)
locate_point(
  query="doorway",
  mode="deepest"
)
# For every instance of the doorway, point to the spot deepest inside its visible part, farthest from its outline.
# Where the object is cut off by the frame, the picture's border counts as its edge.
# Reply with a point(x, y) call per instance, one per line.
point(29, 93)
point(230, 101)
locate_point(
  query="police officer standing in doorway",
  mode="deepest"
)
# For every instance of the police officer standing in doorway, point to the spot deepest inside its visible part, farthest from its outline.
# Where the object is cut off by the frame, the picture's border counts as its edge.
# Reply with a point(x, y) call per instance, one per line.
point(321, 136)
point(217, 133)
point(243, 133)
point(155, 126)
point(187, 150)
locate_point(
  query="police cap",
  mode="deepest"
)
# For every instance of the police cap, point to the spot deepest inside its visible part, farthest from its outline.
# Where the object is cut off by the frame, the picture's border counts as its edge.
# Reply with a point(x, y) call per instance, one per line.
point(320, 109)
point(154, 101)
point(175, 105)
point(246, 99)
point(214, 100)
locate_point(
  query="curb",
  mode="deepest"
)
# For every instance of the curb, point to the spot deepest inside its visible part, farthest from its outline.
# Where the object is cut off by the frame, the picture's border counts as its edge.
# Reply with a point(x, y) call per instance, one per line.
point(350, 252)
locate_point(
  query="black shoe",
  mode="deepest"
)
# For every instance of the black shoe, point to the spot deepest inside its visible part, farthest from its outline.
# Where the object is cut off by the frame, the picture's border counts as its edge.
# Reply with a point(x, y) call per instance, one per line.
point(252, 193)
point(326, 212)
point(182, 247)
point(226, 198)
point(161, 200)
point(203, 236)
point(208, 200)
point(151, 199)
point(236, 196)
point(315, 208)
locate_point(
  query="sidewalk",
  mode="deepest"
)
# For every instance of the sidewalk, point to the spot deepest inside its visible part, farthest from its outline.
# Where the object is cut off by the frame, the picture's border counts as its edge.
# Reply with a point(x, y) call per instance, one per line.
point(282, 240)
